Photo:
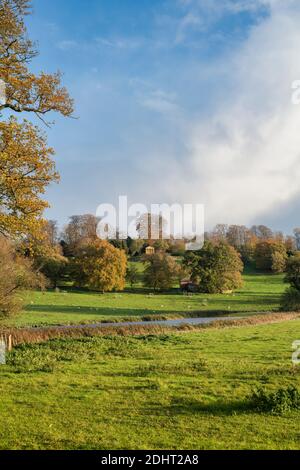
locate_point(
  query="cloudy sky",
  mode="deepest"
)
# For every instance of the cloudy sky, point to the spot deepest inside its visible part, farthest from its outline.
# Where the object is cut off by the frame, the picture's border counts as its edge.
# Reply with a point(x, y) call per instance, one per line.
point(176, 101)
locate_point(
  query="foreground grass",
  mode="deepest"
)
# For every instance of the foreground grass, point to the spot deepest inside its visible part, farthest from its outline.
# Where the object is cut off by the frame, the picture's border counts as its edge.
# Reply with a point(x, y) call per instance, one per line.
point(261, 293)
point(172, 391)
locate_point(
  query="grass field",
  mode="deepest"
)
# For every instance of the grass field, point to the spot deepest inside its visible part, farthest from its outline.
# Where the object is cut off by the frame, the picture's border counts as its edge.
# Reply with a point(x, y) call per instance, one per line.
point(174, 391)
point(261, 292)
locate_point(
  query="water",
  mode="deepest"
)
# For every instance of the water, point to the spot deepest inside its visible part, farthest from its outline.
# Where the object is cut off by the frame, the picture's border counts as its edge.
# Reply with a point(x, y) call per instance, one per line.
point(172, 323)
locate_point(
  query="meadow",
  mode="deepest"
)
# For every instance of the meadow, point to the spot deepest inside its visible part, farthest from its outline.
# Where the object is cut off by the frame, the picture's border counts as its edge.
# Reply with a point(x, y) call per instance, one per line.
point(260, 293)
point(170, 391)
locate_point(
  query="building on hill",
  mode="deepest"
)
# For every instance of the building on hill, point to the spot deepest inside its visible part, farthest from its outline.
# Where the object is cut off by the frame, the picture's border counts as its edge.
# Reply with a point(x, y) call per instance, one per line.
point(150, 250)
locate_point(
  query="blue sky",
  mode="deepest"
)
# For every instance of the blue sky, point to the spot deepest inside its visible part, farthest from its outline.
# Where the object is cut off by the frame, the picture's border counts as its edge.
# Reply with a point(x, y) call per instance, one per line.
point(176, 101)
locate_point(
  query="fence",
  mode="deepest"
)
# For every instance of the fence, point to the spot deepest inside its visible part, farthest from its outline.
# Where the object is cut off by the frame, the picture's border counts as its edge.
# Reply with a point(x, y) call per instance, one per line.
point(5, 345)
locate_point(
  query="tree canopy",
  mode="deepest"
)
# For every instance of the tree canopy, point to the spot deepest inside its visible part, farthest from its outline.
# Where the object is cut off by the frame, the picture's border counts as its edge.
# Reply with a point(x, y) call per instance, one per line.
point(26, 165)
point(216, 268)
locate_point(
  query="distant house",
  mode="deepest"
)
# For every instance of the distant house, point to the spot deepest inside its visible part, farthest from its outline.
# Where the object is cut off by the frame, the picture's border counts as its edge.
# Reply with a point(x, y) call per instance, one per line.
point(150, 251)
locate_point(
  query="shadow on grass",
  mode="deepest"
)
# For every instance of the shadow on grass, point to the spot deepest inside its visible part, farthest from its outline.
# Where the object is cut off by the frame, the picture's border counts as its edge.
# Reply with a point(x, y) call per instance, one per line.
point(134, 290)
point(83, 310)
point(125, 312)
point(219, 408)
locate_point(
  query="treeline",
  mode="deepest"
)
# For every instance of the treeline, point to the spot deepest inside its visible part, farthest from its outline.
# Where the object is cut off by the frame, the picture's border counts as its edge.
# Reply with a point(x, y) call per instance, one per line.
point(259, 245)
point(76, 257)
point(88, 262)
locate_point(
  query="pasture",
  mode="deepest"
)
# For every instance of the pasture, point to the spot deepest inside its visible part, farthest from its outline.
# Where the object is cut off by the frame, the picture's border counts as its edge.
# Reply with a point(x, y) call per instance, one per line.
point(260, 293)
point(171, 391)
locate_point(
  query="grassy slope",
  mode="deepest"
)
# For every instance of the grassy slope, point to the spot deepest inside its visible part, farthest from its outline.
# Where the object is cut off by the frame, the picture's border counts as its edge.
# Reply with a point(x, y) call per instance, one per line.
point(261, 292)
point(176, 391)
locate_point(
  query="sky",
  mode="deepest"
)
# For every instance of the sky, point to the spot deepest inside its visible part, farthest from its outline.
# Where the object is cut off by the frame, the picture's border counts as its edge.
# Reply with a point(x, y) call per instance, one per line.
point(176, 101)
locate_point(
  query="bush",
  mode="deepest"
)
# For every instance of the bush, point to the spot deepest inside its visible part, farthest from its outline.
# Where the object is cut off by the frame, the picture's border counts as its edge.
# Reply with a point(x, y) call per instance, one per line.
point(282, 401)
point(290, 301)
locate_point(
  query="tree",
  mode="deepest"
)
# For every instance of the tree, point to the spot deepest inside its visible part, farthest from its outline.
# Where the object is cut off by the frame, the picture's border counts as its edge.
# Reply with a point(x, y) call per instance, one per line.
point(25, 91)
point(100, 266)
point(216, 268)
point(297, 237)
point(16, 274)
point(161, 271)
point(220, 232)
point(161, 245)
point(270, 255)
point(237, 236)
point(177, 247)
point(51, 232)
point(135, 247)
point(132, 275)
point(26, 169)
point(290, 245)
point(26, 165)
point(262, 232)
point(293, 271)
point(291, 298)
point(53, 267)
point(279, 259)
point(247, 250)
point(81, 230)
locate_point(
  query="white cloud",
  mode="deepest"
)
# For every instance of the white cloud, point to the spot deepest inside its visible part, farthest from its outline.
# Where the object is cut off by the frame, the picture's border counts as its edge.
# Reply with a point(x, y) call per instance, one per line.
point(119, 42)
point(244, 161)
point(200, 15)
point(67, 44)
point(160, 102)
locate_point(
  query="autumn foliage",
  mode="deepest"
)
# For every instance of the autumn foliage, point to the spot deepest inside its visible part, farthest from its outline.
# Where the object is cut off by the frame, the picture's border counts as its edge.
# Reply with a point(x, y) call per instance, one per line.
point(26, 165)
point(100, 267)
point(16, 274)
point(26, 169)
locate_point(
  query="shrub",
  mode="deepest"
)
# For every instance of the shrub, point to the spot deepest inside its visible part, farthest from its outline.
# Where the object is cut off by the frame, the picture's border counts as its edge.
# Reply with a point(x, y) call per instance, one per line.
point(282, 401)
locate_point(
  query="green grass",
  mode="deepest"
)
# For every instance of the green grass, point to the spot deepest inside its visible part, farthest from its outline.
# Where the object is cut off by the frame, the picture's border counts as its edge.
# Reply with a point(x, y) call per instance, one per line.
point(261, 292)
point(175, 391)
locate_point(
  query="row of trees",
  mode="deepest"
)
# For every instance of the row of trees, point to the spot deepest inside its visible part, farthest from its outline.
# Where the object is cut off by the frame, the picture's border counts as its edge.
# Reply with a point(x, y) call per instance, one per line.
point(259, 245)
point(216, 268)
point(78, 255)
point(267, 250)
